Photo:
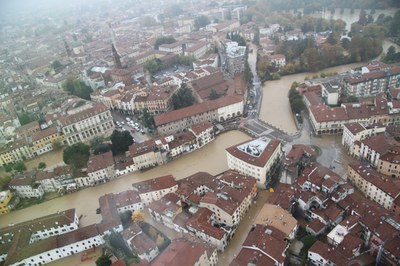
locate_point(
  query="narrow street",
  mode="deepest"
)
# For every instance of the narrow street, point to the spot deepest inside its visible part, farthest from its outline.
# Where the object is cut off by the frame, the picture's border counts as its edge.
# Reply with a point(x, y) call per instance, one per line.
point(245, 225)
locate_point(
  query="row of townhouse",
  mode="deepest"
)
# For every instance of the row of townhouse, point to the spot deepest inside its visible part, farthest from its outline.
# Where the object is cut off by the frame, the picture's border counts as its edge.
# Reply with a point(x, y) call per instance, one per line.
point(221, 201)
point(377, 227)
point(133, 99)
point(43, 227)
point(8, 201)
point(374, 82)
point(331, 120)
point(86, 122)
point(372, 145)
point(219, 110)
point(373, 185)
point(163, 149)
point(100, 169)
point(80, 124)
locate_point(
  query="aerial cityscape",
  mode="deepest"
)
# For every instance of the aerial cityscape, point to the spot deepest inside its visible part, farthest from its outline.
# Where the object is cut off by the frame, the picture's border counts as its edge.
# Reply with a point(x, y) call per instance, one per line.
point(181, 132)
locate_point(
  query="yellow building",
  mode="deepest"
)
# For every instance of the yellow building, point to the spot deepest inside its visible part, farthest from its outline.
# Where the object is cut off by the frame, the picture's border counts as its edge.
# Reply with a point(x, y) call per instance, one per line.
point(42, 141)
point(5, 197)
point(14, 152)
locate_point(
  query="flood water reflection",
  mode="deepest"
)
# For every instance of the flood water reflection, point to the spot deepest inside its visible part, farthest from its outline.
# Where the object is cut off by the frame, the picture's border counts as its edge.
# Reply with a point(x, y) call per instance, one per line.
point(210, 158)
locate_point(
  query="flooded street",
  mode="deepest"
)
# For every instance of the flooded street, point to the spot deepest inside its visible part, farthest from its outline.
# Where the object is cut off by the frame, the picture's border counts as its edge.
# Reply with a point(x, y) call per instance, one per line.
point(275, 108)
point(51, 159)
point(235, 244)
point(210, 158)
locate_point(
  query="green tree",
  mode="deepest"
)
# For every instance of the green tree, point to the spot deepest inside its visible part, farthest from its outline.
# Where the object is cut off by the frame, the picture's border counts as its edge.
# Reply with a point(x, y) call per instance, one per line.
point(294, 85)
point(76, 155)
point(25, 118)
point(363, 20)
point(236, 38)
point(201, 22)
point(186, 60)
point(163, 40)
point(213, 95)
point(8, 167)
point(126, 218)
point(77, 87)
point(4, 182)
point(154, 66)
point(57, 145)
point(352, 99)
point(313, 59)
point(120, 141)
point(42, 165)
point(394, 27)
point(148, 119)
point(103, 260)
point(19, 167)
point(183, 97)
point(56, 66)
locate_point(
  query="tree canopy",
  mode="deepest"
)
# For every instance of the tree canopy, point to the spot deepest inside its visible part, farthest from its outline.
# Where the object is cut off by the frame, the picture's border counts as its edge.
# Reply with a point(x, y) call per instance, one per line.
point(236, 38)
point(103, 260)
point(25, 118)
point(77, 87)
point(42, 165)
point(121, 140)
point(76, 155)
point(148, 119)
point(183, 97)
point(163, 40)
point(19, 167)
point(56, 66)
point(201, 22)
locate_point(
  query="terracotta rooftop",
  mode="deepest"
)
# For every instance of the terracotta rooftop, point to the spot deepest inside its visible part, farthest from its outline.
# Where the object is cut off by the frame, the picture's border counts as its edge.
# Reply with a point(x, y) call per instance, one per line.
point(99, 162)
point(277, 217)
point(22, 179)
point(372, 176)
point(60, 218)
point(190, 111)
point(142, 244)
point(159, 183)
point(260, 241)
point(323, 113)
point(354, 128)
point(84, 114)
point(201, 221)
point(44, 133)
point(180, 252)
point(199, 128)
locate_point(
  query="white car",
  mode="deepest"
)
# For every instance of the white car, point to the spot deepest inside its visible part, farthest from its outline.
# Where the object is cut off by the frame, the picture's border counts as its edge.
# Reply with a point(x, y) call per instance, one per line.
point(128, 119)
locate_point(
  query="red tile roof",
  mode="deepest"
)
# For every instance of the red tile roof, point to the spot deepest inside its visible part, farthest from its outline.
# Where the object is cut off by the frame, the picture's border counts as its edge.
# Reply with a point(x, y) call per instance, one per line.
point(323, 113)
point(44, 133)
point(180, 252)
point(262, 240)
point(159, 183)
point(73, 118)
point(201, 221)
point(180, 114)
point(101, 161)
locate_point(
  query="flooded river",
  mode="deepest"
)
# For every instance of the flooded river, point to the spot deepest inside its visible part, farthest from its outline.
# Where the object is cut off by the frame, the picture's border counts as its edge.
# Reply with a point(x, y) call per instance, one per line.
point(210, 158)
point(275, 107)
